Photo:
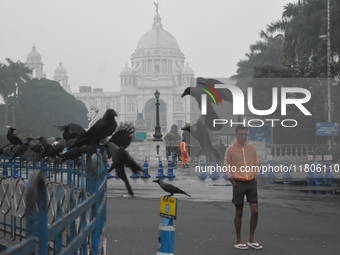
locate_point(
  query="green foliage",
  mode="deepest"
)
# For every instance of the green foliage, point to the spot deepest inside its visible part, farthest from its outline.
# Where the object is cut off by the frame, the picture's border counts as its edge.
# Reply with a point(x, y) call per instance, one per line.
point(44, 103)
point(174, 130)
point(169, 137)
point(291, 48)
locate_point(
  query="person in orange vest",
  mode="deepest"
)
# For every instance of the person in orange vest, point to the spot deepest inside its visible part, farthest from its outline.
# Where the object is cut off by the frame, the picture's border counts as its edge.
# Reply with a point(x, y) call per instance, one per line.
point(185, 153)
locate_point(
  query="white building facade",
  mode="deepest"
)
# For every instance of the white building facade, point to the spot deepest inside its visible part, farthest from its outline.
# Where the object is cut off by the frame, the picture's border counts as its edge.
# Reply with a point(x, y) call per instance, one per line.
point(156, 64)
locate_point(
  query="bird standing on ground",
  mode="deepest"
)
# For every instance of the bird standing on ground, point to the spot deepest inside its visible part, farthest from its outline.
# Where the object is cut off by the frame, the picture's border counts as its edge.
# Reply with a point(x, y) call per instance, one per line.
point(170, 188)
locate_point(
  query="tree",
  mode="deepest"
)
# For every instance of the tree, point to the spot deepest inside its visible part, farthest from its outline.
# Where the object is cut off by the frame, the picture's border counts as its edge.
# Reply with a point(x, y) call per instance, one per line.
point(173, 135)
point(44, 103)
point(12, 77)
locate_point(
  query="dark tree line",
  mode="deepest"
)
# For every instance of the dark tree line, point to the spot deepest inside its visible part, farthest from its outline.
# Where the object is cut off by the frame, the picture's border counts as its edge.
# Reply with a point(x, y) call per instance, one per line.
point(292, 48)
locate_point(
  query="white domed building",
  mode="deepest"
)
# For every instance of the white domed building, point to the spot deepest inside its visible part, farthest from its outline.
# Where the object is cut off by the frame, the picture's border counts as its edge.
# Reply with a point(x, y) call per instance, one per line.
point(60, 75)
point(156, 64)
point(34, 63)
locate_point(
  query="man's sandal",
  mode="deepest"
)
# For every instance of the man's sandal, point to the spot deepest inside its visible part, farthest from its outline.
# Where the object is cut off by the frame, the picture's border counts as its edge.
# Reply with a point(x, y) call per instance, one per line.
point(241, 246)
point(255, 246)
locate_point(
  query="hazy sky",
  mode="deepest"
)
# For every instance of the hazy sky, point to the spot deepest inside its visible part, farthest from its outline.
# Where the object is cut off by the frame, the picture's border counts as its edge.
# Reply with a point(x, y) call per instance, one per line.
point(94, 39)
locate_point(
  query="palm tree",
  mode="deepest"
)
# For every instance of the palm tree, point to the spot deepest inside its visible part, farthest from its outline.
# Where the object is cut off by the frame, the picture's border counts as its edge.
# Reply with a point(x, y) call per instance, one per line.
point(12, 77)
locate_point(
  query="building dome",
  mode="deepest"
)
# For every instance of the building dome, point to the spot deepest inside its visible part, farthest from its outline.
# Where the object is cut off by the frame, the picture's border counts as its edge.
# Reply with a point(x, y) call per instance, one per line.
point(126, 71)
point(33, 56)
point(157, 41)
point(60, 70)
point(187, 69)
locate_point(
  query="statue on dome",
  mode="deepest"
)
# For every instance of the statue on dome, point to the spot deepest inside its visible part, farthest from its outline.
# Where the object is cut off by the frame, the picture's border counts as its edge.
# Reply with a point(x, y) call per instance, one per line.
point(156, 4)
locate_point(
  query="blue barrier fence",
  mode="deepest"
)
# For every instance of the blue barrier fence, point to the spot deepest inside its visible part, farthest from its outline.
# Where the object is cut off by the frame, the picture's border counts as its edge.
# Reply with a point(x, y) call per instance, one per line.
point(54, 209)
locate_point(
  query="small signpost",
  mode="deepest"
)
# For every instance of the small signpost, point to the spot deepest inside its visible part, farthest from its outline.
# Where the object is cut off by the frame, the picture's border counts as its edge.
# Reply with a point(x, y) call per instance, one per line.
point(168, 210)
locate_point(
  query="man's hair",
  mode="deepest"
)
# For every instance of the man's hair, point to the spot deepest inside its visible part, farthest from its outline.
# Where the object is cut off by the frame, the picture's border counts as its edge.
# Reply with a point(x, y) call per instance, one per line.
point(183, 139)
point(240, 127)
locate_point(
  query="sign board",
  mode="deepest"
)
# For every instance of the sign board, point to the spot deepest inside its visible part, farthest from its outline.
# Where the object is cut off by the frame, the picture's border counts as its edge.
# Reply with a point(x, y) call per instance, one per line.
point(260, 134)
point(269, 157)
point(328, 157)
point(310, 157)
point(168, 208)
point(318, 157)
point(140, 135)
point(327, 129)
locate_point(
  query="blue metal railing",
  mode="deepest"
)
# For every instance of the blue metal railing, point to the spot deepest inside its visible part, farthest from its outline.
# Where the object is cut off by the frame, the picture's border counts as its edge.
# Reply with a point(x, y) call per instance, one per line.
point(62, 210)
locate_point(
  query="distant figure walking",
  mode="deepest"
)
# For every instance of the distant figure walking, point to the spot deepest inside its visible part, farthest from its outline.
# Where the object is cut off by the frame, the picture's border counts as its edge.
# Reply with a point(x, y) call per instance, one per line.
point(185, 153)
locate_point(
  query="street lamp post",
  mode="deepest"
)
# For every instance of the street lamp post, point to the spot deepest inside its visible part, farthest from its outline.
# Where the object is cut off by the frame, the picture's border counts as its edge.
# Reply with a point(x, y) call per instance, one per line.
point(157, 135)
point(327, 37)
point(329, 104)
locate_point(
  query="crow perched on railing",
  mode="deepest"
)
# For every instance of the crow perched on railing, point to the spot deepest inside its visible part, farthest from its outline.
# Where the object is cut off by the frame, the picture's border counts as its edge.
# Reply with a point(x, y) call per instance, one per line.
point(13, 138)
point(21, 149)
point(53, 151)
point(103, 128)
point(71, 131)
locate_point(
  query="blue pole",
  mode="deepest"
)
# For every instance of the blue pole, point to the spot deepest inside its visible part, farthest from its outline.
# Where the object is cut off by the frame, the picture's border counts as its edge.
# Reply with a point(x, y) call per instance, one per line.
point(202, 176)
point(214, 175)
point(4, 170)
point(166, 237)
point(170, 169)
point(328, 176)
point(145, 169)
point(318, 178)
point(310, 175)
point(260, 175)
point(15, 173)
point(270, 166)
point(108, 175)
point(286, 174)
point(160, 170)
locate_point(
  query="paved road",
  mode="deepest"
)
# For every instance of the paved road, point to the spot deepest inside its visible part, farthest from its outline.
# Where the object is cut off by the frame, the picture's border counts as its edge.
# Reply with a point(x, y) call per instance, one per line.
point(291, 221)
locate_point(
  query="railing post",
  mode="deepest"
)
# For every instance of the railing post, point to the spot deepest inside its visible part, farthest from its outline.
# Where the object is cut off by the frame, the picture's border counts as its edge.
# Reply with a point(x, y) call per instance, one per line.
point(36, 221)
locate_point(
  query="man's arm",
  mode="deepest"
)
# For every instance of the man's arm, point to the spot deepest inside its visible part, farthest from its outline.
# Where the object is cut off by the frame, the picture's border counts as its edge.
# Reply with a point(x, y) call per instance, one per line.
point(227, 163)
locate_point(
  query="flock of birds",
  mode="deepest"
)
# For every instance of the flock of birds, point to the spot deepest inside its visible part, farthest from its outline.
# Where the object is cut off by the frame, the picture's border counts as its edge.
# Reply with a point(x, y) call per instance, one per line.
point(107, 135)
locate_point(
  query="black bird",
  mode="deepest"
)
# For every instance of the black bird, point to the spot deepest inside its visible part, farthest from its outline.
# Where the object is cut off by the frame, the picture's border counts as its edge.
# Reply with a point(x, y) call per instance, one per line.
point(71, 131)
point(76, 152)
point(120, 159)
point(3, 153)
point(123, 136)
point(103, 128)
point(21, 149)
point(170, 188)
point(54, 151)
point(197, 91)
point(200, 133)
point(13, 138)
point(46, 145)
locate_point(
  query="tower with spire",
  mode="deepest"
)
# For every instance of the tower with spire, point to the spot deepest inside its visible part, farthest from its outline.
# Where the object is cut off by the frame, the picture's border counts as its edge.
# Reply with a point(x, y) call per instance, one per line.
point(34, 63)
point(60, 75)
